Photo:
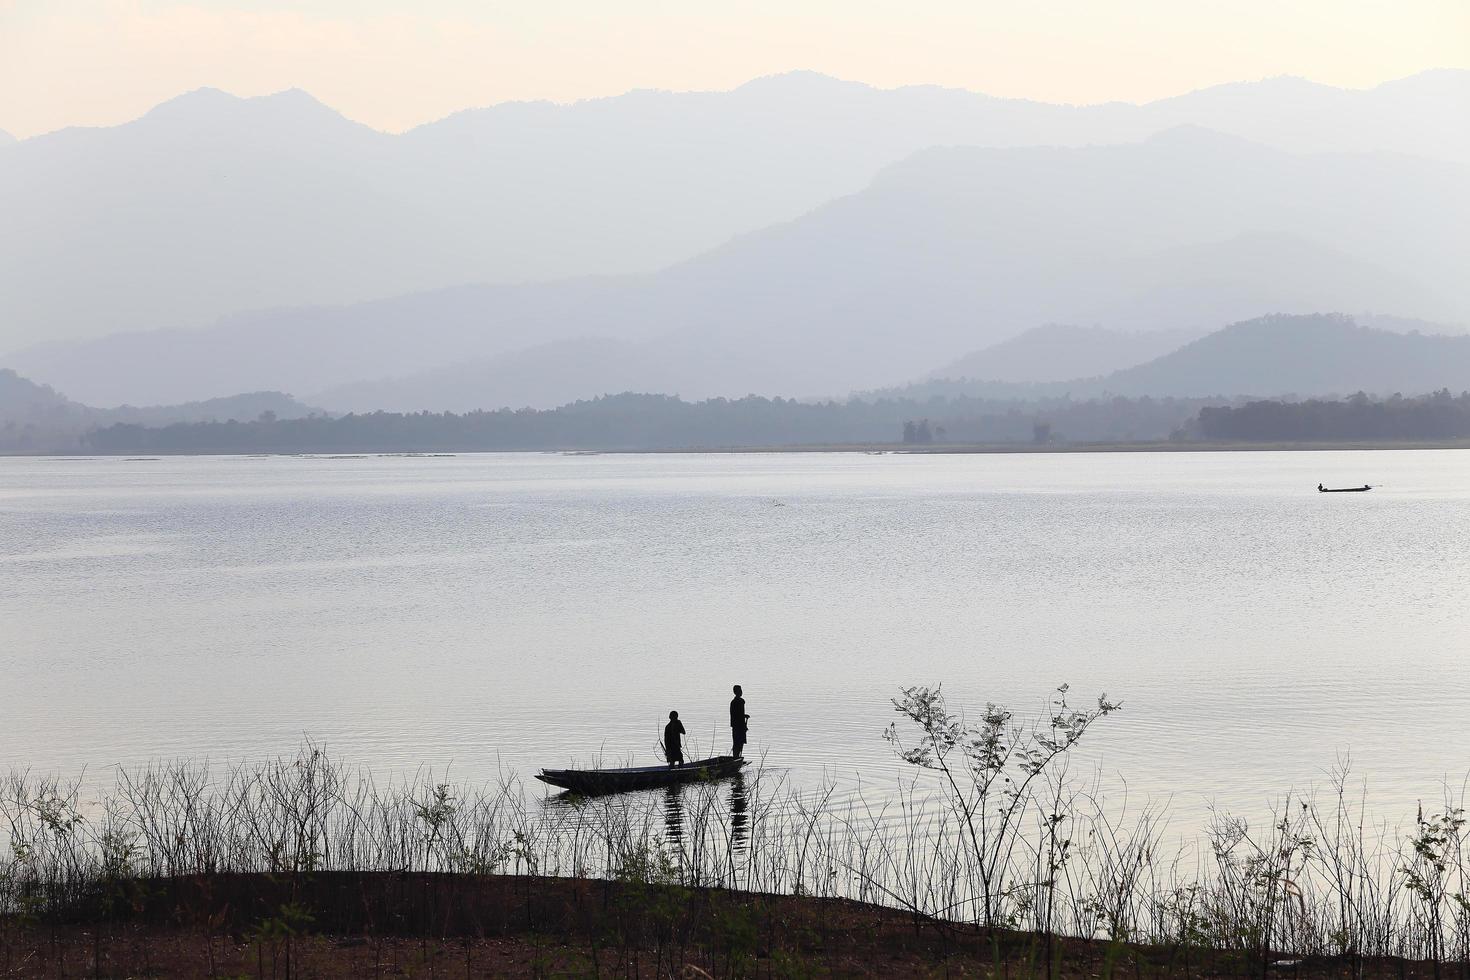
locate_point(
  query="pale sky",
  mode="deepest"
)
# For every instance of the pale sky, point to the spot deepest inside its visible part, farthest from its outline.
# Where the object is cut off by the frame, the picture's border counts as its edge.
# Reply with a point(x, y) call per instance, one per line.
point(393, 65)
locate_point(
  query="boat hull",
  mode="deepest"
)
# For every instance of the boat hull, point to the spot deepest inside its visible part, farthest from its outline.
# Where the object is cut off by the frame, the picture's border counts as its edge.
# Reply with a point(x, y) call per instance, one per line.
point(595, 781)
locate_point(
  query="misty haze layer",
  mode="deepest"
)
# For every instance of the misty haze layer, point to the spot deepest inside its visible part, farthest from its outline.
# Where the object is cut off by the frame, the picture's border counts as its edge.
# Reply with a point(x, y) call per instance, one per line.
point(946, 252)
point(211, 205)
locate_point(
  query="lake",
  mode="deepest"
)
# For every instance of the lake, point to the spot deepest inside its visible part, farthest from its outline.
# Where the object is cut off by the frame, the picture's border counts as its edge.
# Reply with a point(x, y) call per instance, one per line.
point(498, 613)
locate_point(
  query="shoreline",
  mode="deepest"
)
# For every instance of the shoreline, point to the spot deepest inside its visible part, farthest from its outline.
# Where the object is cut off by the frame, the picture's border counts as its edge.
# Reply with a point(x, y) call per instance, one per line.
point(1005, 448)
point(349, 924)
point(183, 869)
point(866, 448)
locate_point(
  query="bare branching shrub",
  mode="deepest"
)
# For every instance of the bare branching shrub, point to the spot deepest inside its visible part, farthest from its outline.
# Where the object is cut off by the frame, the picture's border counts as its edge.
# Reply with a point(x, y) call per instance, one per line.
point(999, 773)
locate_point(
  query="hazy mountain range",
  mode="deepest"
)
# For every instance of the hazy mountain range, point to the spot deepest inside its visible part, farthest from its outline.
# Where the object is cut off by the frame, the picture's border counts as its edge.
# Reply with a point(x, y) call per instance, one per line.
point(543, 376)
point(1084, 357)
point(562, 371)
point(1061, 352)
point(1309, 355)
point(211, 205)
point(1276, 356)
point(946, 252)
point(1267, 357)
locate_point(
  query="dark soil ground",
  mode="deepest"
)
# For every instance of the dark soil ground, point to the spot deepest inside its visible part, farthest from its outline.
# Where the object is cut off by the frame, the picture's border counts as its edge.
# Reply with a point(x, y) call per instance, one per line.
point(417, 925)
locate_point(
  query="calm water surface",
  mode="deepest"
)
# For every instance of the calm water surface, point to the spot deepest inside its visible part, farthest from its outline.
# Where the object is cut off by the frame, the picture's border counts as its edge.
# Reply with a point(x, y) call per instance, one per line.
point(504, 612)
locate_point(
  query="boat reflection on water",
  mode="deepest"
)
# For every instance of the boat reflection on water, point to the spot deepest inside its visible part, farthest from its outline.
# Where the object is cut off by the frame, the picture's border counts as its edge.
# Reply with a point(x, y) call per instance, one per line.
point(700, 819)
point(736, 800)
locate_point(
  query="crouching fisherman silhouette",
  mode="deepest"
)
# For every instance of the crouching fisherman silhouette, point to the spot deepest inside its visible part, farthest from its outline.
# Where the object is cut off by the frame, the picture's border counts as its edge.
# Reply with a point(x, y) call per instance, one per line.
point(738, 722)
point(673, 744)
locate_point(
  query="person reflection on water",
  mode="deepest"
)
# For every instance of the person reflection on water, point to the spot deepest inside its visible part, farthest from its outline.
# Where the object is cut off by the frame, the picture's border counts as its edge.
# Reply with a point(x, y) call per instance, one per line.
point(674, 813)
point(739, 807)
point(673, 747)
point(738, 722)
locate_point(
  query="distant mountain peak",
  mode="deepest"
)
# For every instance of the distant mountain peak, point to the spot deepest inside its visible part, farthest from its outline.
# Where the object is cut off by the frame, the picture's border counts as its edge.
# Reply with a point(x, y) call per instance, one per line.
point(293, 96)
point(1278, 86)
point(1434, 83)
point(204, 97)
point(1301, 355)
point(215, 107)
point(1446, 86)
point(801, 79)
point(1430, 78)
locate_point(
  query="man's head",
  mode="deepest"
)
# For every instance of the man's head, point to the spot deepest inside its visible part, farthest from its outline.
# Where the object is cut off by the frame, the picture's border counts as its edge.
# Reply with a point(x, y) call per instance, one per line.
point(673, 716)
point(739, 693)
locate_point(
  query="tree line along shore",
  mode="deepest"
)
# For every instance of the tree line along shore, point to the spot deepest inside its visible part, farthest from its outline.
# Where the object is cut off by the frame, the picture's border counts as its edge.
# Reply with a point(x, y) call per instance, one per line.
point(634, 422)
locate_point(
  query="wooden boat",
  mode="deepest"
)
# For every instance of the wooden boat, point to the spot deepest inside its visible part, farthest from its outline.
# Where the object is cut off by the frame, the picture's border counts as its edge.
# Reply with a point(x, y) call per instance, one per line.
point(592, 781)
point(1322, 489)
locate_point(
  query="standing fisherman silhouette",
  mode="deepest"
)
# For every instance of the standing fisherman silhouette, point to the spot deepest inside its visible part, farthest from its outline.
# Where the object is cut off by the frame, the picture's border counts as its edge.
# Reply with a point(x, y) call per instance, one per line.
point(738, 721)
point(673, 732)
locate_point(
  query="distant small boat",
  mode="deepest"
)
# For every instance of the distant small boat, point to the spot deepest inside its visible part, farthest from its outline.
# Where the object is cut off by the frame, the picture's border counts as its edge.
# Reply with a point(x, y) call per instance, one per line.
point(1322, 489)
point(593, 781)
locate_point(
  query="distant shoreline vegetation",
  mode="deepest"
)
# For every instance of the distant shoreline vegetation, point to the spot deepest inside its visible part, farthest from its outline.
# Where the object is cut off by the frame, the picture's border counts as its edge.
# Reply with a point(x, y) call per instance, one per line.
point(1440, 416)
point(660, 422)
point(635, 422)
